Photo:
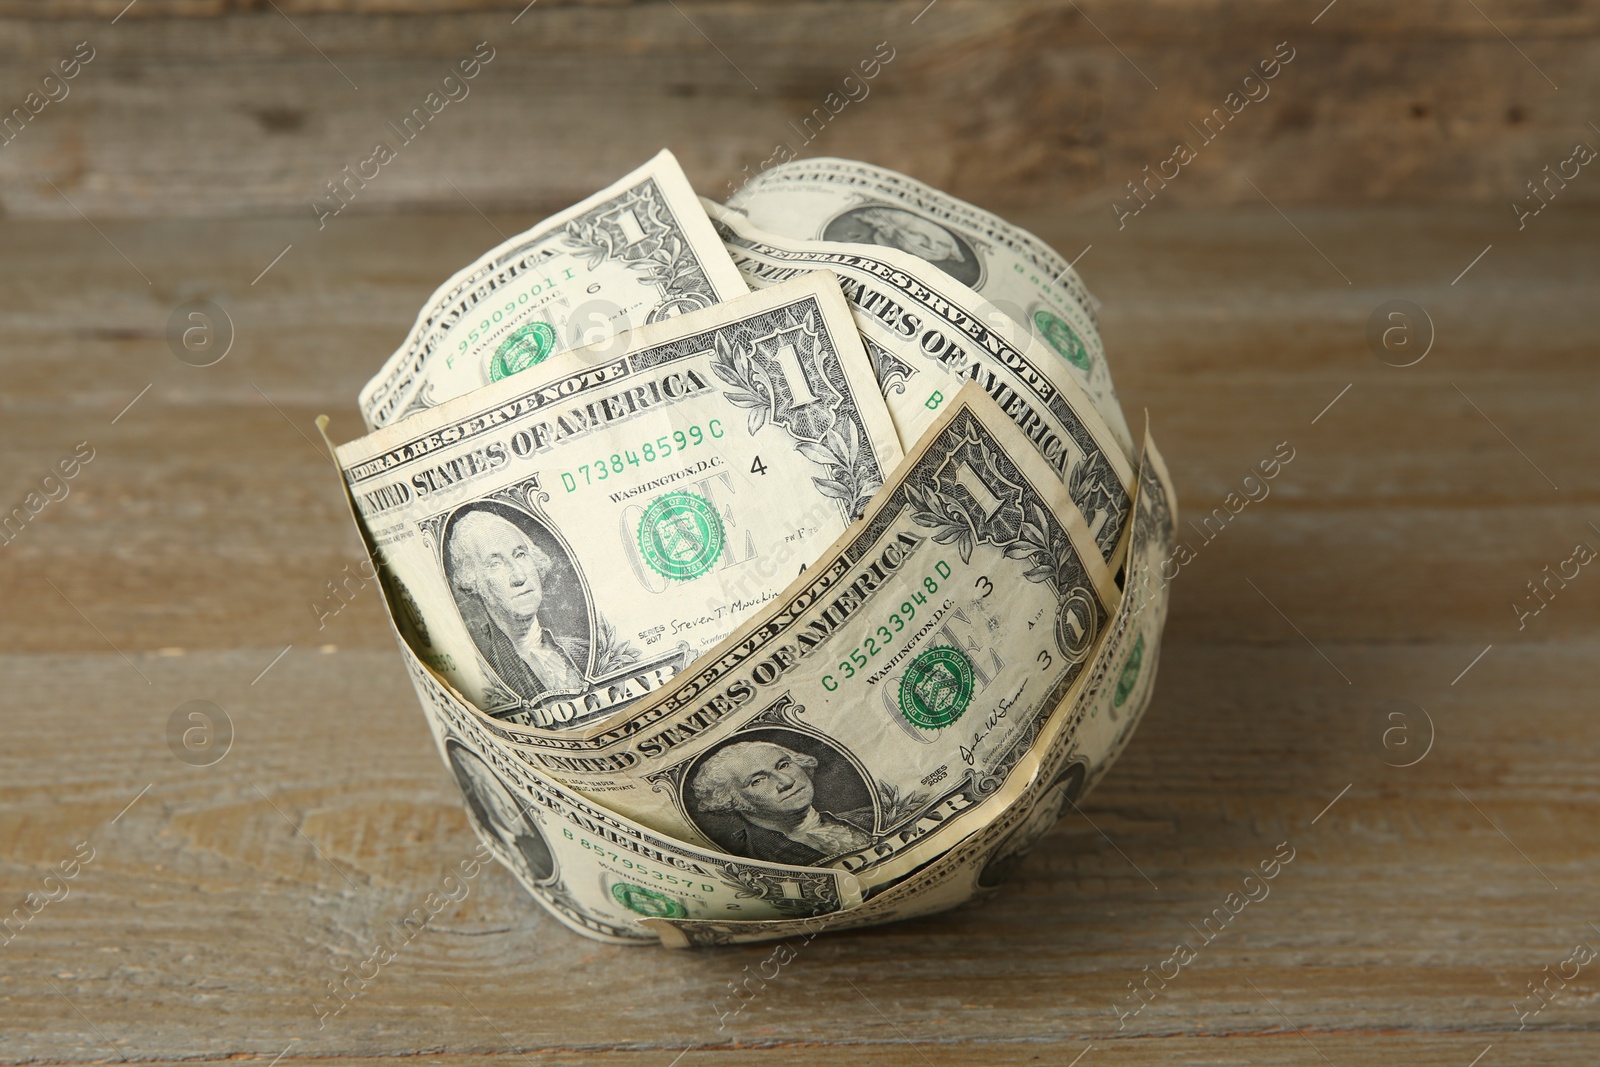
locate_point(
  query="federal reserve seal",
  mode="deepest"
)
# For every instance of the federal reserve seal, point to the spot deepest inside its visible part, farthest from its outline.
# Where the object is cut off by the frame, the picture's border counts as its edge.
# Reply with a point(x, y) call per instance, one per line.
point(644, 901)
point(936, 688)
point(681, 536)
point(526, 347)
point(1062, 338)
point(1130, 673)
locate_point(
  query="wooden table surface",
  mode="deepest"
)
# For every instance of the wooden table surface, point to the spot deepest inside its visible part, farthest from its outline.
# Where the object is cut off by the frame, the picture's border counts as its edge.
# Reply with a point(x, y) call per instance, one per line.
point(1362, 617)
point(191, 556)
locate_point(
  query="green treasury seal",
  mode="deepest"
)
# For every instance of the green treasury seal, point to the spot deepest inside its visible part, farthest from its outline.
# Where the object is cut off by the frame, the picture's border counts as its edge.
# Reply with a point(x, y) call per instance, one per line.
point(680, 535)
point(1130, 673)
point(637, 898)
point(936, 688)
point(1062, 338)
point(527, 346)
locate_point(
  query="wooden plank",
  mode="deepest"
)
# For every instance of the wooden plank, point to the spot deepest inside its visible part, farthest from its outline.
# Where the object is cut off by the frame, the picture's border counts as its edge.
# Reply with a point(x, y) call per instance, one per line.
point(213, 116)
point(1369, 17)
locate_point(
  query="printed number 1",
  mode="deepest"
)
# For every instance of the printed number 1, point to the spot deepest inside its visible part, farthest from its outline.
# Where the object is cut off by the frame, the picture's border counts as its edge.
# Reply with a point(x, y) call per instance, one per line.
point(799, 389)
point(968, 479)
point(632, 232)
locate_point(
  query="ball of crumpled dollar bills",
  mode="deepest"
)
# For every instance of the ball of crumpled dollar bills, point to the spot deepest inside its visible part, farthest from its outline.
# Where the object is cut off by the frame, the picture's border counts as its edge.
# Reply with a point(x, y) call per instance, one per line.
point(770, 567)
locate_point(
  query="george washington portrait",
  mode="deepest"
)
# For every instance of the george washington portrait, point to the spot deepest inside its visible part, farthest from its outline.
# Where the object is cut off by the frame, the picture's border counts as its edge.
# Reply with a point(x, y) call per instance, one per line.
point(780, 796)
point(519, 596)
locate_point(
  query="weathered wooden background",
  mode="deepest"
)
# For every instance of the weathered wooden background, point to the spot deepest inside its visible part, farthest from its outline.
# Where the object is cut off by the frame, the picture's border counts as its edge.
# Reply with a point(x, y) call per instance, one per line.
point(191, 555)
point(251, 107)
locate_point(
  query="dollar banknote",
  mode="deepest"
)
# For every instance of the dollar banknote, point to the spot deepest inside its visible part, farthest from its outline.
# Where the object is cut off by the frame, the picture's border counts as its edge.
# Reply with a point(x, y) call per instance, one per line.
point(1082, 741)
point(928, 334)
point(634, 253)
point(867, 717)
point(1132, 649)
point(563, 542)
point(842, 200)
point(596, 872)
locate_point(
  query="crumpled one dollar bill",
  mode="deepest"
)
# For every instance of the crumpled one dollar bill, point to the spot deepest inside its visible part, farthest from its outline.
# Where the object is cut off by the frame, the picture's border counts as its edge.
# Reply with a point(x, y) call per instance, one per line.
point(768, 568)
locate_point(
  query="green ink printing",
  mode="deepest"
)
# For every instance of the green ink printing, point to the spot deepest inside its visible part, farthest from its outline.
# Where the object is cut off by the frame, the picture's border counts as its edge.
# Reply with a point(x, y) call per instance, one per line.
point(681, 536)
point(937, 688)
point(1063, 338)
point(526, 347)
point(1130, 673)
point(645, 901)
